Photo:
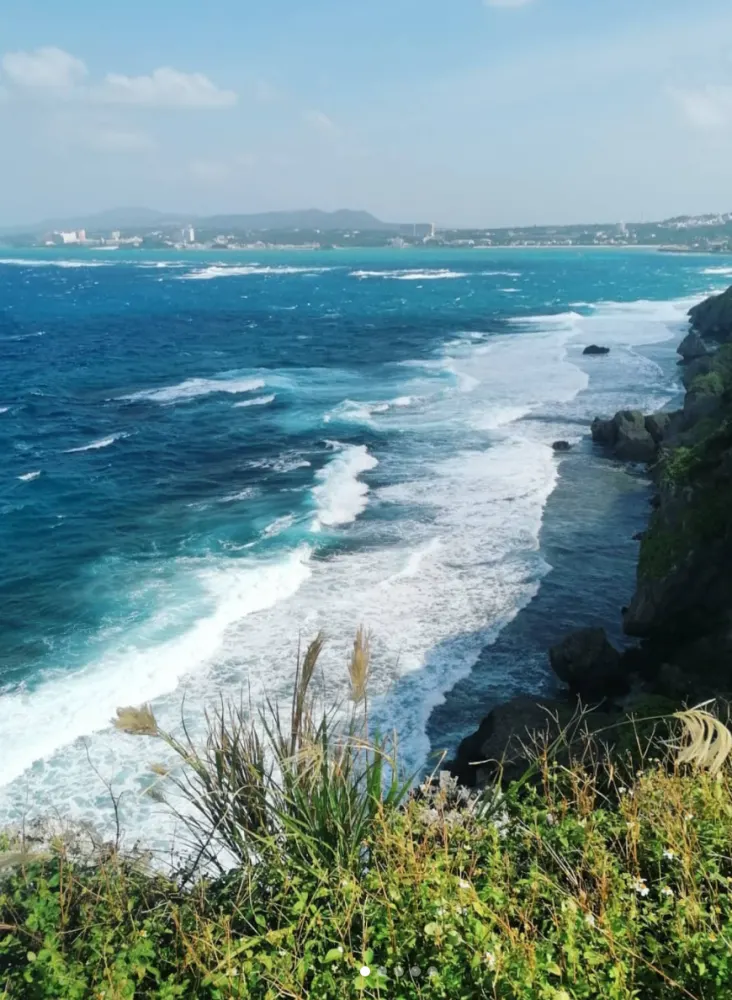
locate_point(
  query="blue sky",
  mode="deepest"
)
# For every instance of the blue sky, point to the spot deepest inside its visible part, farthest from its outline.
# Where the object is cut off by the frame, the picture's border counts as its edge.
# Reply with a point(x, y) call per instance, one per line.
point(485, 112)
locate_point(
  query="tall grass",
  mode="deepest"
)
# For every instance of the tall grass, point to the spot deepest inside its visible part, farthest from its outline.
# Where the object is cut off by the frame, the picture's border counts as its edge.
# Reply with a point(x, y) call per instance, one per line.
point(309, 785)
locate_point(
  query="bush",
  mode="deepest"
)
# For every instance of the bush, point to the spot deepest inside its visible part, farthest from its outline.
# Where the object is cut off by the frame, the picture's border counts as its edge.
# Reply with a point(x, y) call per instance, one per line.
point(590, 878)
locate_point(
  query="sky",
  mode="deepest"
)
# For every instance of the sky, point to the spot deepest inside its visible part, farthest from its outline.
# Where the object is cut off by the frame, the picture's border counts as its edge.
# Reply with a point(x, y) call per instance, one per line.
point(458, 112)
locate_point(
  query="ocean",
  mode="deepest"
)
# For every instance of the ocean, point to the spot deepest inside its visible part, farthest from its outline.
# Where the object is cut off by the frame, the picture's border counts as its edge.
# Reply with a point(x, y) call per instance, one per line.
point(206, 458)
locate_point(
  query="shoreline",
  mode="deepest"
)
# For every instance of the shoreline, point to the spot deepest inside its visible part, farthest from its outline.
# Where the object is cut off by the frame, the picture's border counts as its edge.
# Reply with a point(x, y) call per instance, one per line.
point(589, 537)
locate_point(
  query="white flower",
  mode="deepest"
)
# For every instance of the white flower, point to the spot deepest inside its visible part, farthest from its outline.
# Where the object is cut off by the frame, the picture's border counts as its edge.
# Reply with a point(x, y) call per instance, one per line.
point(414, 971)
point(365, 971)
point(432, 971)
point(640, 887)
point(666, 891)
point(669, 855)
point(550, 819)
point(590, 919)
point(464, 884)
point(622, 791)
point(490, 959)
point(398, 971)
point(689, 816)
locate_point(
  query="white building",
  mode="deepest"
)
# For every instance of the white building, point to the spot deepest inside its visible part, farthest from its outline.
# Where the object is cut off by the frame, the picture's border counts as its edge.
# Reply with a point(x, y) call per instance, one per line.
point(189, 234)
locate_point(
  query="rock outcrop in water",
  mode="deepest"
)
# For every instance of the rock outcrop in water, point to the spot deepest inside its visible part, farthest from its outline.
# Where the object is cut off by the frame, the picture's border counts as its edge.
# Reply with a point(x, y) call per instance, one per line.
point(682, 607)
point(593, 349)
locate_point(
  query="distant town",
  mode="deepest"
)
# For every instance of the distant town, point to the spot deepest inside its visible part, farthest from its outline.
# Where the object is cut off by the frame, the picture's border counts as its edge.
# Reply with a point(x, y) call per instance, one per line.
point(314, 230)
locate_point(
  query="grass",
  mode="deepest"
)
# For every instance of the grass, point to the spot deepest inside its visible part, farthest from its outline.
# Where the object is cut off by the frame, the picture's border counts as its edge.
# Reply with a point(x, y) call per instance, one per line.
point(317, 876)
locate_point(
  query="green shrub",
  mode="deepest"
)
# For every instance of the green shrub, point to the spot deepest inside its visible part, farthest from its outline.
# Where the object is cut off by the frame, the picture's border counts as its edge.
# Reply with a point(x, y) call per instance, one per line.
point(598, 878)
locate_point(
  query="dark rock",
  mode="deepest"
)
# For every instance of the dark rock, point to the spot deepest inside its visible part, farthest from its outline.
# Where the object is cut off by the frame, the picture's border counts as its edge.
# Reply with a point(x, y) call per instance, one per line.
point(712, 318)
point(594, 349)
point(506, 736)
point(562, 446)
point(627, 436)
point(633, 441)
point(589, 664)
point(692, 347)
point(604, 432)
point(638, 537)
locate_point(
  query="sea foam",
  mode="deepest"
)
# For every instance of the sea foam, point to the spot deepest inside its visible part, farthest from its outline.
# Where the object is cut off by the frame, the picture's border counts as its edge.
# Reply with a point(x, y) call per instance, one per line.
point(192, 388)
point(257, 401)
point(341, 495)
point(40, 722)
point(95, 445)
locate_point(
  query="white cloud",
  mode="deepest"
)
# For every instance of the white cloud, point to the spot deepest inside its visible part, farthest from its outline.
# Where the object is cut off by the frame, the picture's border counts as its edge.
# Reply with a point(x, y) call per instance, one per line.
point(47, 69)
point(319, 121)
point(507, 3)
point(164, 88)
point(708, 107)
point(54, 73)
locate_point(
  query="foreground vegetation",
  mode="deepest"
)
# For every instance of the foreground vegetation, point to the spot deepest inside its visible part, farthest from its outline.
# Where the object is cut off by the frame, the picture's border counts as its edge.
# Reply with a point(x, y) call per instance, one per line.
point(317, 875)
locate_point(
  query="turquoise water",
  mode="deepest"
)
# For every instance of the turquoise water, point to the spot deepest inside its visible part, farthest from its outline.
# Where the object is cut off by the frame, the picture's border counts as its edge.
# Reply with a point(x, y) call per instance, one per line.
point(205, 457)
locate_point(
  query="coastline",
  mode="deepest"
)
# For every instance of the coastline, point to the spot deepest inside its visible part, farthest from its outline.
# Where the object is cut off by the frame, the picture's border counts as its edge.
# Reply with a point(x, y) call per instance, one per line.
point(590, 538)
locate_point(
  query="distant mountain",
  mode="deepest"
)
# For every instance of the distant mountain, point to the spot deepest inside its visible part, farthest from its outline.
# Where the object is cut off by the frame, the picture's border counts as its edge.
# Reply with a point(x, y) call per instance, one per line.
point(311, 218)
point(147, 218)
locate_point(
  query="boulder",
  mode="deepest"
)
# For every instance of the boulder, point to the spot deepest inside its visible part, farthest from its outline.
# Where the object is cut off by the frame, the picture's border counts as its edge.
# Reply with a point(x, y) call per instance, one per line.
point(633, 442)
point(562, 446)
point(692, 347)
point(594, 349)
point(589, 664)
point(604, 432)
point(507, 735)
point(627, 436)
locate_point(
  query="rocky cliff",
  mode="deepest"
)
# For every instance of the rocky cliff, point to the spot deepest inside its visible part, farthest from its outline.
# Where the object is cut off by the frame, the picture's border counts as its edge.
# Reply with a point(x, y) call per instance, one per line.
point(681, 611)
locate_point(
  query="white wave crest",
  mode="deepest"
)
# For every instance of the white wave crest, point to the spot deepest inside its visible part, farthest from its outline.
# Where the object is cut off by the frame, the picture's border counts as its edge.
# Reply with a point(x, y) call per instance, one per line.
point(726, 271)
point(95, 445)
point(278, 526)
point(223, 271)
point(411, 274)
point(71, 705)
point(257, 401)
point(340, 495)
point(194, 387)
point(362, 412)
point(4, 409)
point(29, 477)
point(501, 274)
point(25, 262)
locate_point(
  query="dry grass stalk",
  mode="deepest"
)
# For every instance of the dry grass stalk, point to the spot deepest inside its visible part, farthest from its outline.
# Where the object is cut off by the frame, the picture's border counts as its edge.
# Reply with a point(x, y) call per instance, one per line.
point(358, 665)
point(303, 678)
point(136, 721)
point(706, 742)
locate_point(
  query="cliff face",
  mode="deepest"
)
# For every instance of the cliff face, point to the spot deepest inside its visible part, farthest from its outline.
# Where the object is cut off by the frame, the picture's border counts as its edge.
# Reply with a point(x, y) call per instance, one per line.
point(682, 607)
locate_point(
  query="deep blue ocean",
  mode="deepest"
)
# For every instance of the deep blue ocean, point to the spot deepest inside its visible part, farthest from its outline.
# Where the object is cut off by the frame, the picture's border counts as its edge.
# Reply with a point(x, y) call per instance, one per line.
point(206, 458)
